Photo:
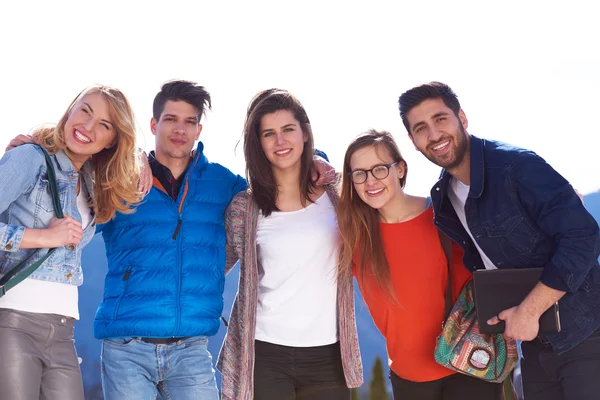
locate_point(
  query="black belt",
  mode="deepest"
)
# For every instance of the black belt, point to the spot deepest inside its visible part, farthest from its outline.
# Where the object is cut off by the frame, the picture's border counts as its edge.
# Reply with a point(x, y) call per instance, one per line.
point(162, 340)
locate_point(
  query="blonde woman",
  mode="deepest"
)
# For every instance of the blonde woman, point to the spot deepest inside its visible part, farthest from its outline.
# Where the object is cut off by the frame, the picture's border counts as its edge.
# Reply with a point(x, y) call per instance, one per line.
point(92, 150)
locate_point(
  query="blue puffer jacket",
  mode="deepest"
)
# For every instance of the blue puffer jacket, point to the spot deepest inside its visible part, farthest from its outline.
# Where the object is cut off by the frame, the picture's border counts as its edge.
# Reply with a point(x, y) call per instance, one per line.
point(166, 261)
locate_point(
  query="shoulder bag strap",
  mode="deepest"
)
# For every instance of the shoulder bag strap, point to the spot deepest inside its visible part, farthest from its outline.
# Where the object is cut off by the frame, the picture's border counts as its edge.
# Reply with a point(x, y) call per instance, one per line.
point(447, 247)
point(17, 275)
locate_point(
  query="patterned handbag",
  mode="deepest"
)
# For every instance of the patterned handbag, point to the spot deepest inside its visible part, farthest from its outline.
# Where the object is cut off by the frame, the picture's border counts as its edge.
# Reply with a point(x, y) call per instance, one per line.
point(462, 348)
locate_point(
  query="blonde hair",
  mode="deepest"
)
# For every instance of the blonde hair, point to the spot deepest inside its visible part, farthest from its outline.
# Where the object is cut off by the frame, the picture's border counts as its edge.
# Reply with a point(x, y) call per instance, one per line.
point(116, 170)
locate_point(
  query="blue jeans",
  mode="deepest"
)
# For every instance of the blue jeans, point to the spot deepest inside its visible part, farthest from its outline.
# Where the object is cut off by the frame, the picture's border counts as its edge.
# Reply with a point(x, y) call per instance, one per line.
point(133, 369)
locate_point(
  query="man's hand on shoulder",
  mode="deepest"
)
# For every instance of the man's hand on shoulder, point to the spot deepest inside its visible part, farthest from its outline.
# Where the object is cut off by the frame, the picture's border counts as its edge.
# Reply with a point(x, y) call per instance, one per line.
point(146, 179)
point(20, 140)
point(323, 173)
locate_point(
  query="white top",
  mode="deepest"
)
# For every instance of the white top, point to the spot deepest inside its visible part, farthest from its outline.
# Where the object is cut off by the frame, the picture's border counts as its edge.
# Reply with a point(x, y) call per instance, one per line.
point(297, 286)
point(36, 296)
point(458, 194)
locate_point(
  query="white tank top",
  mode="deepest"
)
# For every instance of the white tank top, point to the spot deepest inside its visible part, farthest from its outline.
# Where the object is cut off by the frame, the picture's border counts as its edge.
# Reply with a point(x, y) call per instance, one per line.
point(297, 286)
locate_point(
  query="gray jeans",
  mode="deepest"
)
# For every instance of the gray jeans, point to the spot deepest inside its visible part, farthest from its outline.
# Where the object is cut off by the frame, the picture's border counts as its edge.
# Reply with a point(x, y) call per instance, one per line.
point(37, 357)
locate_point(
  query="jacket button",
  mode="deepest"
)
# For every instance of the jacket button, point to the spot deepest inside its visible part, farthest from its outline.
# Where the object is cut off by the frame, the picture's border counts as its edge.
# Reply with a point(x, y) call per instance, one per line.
point(437, 188)
point(8, 246)
point(70, 247)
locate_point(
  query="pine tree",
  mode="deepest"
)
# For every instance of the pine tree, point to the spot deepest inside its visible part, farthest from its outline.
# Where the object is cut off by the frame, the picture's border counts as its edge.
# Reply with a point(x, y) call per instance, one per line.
point(378, 387)
point(355, 394)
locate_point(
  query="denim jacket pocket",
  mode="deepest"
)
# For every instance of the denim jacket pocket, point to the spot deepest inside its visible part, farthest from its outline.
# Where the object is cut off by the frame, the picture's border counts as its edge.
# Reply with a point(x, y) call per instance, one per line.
point(44, 198)
point(511, 236)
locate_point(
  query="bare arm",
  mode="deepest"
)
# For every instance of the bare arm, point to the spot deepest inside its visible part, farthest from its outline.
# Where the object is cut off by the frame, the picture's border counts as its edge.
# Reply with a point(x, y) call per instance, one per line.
point(522, 321)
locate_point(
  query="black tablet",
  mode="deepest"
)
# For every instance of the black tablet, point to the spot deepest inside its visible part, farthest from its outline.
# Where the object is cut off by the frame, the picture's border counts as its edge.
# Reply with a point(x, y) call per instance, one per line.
point(496, 290)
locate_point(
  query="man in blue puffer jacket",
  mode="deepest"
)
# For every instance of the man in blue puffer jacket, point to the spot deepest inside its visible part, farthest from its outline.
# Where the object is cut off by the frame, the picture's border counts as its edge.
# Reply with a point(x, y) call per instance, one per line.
point(163, 292)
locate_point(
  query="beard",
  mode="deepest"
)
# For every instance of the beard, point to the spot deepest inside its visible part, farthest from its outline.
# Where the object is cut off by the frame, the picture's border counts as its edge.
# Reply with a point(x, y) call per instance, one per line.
point(458, 153)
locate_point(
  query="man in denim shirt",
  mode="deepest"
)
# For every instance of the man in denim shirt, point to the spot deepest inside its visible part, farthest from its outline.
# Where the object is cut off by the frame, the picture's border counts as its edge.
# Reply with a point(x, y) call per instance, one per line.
point(508, 208)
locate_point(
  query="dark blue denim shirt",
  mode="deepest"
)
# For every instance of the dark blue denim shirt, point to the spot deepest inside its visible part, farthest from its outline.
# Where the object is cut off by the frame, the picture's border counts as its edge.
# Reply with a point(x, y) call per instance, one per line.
point(525, 214)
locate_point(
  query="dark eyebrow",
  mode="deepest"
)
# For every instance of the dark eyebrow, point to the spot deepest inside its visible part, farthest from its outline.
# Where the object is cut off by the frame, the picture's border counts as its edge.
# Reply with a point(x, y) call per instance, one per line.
point(440, 114)
point(415, 126)
point(270, 129)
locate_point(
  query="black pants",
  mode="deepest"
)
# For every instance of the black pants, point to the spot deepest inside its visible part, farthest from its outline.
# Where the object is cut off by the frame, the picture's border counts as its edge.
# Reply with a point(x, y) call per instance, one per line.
point(574, 375)
point(453, 387)
point(299, 373)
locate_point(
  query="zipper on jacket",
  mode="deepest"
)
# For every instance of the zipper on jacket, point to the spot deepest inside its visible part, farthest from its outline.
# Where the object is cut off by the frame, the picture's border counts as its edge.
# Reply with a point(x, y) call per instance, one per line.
point(183, 195)
point(178, 289)
point(177, 228)
point(126, 276)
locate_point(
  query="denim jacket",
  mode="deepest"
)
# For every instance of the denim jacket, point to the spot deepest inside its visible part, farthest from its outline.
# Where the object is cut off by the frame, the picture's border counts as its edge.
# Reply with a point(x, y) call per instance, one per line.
point(26, 203)
point(524, 214)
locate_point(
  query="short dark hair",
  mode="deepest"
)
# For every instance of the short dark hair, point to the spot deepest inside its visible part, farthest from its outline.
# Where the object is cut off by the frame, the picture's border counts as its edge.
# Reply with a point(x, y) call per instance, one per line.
point(432, 90)
point(180, 90)
point(259, 172)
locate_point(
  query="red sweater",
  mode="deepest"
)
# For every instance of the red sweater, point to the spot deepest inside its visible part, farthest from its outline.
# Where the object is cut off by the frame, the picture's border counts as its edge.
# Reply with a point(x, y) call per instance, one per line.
point(419, 276)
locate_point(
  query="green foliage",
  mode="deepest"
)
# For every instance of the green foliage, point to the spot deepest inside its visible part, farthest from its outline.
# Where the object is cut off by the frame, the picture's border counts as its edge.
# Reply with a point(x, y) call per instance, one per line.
point(378, 389)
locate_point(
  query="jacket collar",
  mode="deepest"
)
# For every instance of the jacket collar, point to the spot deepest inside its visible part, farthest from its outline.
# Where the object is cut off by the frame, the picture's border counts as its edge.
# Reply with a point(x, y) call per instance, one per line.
point(197, 156)
point(477, 167)
point(64, 162)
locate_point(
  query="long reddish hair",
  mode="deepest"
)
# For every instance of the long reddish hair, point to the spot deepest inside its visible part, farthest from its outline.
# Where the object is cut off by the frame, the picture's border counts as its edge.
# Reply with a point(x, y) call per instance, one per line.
point(359, 223)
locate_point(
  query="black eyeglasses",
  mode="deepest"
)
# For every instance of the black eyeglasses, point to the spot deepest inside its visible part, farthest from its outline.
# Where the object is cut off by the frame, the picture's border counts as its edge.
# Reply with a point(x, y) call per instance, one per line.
point(379, 172)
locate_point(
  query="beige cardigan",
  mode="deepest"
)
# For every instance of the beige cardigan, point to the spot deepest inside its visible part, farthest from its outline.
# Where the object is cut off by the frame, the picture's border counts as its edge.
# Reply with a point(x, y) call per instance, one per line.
point(236, 358)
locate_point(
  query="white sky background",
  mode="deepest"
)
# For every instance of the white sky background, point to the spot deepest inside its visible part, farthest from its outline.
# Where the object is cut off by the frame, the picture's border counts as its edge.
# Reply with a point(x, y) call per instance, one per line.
point(526, 72)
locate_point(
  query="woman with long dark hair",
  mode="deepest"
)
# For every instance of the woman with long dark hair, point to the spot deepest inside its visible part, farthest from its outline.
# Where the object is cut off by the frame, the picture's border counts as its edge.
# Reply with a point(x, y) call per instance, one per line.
point(292, 333)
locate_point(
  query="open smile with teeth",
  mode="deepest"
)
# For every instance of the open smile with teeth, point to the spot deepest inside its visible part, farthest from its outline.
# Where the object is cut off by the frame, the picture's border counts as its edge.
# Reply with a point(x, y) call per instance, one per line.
point(283, 152)
point(442, 146)
point(374, 192)
point(81, 137)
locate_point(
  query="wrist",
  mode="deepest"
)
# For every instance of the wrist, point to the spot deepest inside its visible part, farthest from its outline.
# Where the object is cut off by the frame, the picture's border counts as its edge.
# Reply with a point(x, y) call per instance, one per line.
point(529, 310)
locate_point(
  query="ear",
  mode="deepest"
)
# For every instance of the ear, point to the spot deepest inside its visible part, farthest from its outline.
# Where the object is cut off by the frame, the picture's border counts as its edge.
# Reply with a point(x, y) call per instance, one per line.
point(463, 119)
point(305, 135)
point(111, 144)
point(401, 169)
point(153, 123)
point(199, 130)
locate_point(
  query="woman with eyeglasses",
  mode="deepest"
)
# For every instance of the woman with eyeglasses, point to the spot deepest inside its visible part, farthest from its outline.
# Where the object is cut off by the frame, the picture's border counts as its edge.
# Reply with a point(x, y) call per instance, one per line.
point(393, 248)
